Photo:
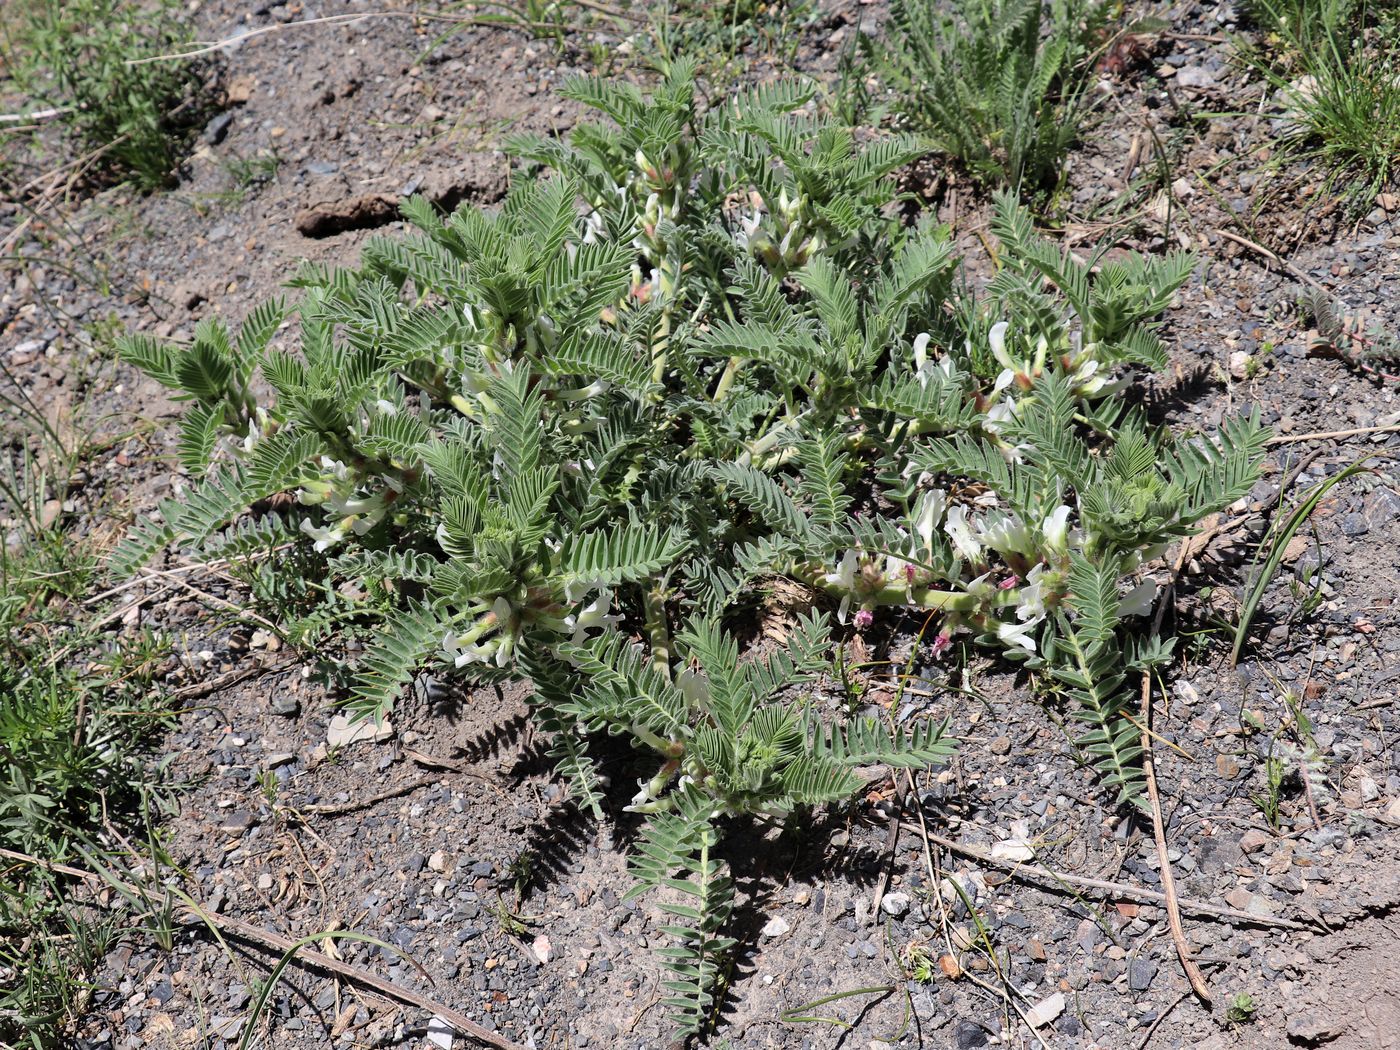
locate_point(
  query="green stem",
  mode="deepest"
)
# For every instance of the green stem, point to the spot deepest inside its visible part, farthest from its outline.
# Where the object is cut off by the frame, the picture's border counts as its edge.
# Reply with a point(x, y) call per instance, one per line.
point(769, 440)
point(915, 597)
point(658, 633)
point(726, 380)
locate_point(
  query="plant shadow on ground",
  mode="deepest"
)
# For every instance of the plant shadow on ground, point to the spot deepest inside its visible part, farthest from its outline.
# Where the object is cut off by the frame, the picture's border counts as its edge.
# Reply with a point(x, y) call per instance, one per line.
point(1163, 401)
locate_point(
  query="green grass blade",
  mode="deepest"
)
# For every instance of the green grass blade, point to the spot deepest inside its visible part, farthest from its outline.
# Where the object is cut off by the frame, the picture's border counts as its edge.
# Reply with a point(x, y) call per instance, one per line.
point(1273, 546)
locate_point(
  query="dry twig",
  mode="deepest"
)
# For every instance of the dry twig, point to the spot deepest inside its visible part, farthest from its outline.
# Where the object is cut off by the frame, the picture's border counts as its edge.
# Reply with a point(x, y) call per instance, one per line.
point(199, 690)
point(935, 880)
point(340, 809)
point(39, 116)
point(1274, 257)
point(1322, 435)
point(1183, 950)
point(1059, 880)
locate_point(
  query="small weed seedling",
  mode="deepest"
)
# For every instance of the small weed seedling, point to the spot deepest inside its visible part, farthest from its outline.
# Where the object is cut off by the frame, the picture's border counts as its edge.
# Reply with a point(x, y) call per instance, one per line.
point(1275, 771)
point(1241, 1009)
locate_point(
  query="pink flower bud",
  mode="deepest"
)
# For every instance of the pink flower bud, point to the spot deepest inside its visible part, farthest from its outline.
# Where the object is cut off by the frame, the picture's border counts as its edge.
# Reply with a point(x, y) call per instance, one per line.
point(863, 619)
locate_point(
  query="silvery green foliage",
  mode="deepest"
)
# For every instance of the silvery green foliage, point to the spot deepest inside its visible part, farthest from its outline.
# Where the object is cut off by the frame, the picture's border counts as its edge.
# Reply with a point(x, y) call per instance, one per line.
point(699, 354)
point(1003, 87)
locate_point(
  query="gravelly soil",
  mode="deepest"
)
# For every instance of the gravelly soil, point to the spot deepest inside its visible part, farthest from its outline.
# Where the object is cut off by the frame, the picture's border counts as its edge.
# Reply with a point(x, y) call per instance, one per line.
point(478, 829)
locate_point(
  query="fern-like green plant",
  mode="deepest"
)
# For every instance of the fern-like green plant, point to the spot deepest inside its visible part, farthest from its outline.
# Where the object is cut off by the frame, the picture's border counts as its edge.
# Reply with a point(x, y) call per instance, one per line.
point(566, 439)
point(1001, 86)
point(735, 738)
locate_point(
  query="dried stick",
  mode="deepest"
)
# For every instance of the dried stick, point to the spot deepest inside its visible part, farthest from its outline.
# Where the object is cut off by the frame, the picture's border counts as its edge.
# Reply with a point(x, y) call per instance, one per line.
point(1245, 242)
point(1183, 950)
point(199, 690)
point(1059, 880)
point(891, 840)
point(1320, 435)
point(342, 808)
point(39, 116)
point(1160, 1018)
point(935, 880)
point(304, 956)
point(222, 603)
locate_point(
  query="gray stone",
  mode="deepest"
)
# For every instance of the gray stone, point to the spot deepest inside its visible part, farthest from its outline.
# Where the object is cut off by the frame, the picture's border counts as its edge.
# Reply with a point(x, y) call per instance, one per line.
point(1140, 974)
point(970, 1036)
point(1313, 1028)
point(237, 822)
point(285, 705)
point(342, 731)
point(1195, 78)
point(1217, 853)
point(217, 129)
point(1355, 525)
point(227, 1027)
point(894, 904)
point(1254, 840)
point(1383, 505)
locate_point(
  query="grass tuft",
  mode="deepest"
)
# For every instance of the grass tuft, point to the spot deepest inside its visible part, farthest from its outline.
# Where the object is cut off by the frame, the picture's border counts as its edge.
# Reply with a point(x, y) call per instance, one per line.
point(1335, 76)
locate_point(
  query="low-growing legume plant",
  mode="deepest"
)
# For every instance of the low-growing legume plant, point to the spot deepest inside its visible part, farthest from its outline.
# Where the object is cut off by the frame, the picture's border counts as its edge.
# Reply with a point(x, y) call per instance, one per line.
point(568, 439)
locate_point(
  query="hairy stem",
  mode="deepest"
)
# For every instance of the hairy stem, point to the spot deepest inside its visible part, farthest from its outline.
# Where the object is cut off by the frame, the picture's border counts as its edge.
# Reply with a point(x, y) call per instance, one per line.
point(658, 631)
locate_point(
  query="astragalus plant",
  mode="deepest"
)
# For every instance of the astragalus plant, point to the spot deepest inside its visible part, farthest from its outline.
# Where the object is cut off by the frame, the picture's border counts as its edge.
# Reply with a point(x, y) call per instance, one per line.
point(569, 440)
point(1003, 87)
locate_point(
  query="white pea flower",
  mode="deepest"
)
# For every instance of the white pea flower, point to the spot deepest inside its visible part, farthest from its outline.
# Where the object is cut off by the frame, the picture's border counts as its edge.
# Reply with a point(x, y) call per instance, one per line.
point(325, 536)
point(749, 225)
point(576, 589)
point(1005, 533)
point(502, 610)
point(982, 587)
point(694, 685)
point(505, 648)
point(921, 342)
point(596, 613)
point(256, 427)
point(1138, 601)
point(927, 514)
point(1055, 529)
point(1032, 596)
point(960, 532)
point(845, 578)
point(997, 339)
point(1018, 635)
point(594, 228)
point(462, 655)
point(335, 468)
